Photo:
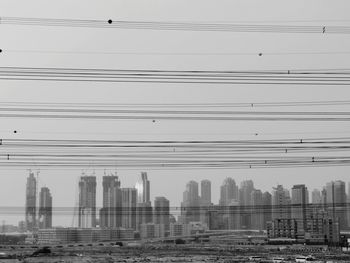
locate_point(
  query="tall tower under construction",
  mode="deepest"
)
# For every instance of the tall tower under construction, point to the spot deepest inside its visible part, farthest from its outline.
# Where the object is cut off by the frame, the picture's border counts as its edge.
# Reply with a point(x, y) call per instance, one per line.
point(87, 202)
point(45, 208)
point(30, 209)
point(111, 212)
point(144, 206)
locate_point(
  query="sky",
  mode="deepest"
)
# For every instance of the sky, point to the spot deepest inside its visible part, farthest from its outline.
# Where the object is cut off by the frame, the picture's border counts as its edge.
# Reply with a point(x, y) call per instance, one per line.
point(16, 42)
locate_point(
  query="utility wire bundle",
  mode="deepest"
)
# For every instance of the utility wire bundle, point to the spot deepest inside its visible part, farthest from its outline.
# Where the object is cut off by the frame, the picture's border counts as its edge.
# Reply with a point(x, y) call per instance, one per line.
point(173, 112)
point(263, 77)
point(179, 26)
point(175, 154)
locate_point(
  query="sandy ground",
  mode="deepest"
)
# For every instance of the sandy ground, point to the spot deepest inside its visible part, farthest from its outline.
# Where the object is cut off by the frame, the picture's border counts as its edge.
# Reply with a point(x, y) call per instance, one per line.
point(159, 253)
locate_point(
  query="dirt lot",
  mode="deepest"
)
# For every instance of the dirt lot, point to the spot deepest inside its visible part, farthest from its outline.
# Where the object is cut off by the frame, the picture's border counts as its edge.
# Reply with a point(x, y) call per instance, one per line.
point(160, 253)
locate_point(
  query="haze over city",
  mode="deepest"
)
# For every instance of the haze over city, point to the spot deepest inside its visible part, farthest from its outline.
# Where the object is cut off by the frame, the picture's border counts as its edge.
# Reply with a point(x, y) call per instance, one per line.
point(112, 111)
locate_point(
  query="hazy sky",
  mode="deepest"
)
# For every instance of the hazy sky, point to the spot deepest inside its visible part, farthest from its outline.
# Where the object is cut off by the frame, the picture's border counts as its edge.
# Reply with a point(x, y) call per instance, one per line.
point(63, 183)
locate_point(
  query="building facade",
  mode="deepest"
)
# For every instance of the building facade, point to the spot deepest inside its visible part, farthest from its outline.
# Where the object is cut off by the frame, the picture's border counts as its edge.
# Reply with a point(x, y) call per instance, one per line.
point(45, 208)
point(161, 213)
point(205, 192)
point(257, 213)
point(281, 208)
point(144, 213)
point(336, 202)
point(190, 209)
point(267, 208)
point(299, 208)
point(111, 211)
point(228, 192)
point(245, 194)
point(129, 202)
point(30, 206)
point(87, 202)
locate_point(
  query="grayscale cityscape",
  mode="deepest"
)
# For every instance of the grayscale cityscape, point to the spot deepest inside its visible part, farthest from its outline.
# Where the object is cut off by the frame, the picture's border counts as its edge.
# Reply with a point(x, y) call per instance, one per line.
point(286, 215)
point(174, 131)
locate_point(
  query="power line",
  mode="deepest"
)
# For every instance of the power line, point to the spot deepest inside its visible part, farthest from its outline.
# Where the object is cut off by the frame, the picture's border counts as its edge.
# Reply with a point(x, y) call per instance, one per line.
point(252, 104)
point(175, 154)
point(178, 26)
point(168, 111)
point(158, 117)
point(149, 53)
point(168, 114)
point(265, 77)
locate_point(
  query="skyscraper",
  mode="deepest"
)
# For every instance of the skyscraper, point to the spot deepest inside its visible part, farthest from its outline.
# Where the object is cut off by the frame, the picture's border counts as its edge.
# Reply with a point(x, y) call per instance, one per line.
point(316, 198)
point(144, 207)
point(324, 198)
point(267, 208)
point(129, 201)
point(336, 202)
point(190, 203)
point(205, 201)
point(348, 205)
point(87, 202)
point(45, 208)
point(228, 192)
point(30, 210)
point(205, 192)
point(161, 212)
point(111, 211)
point(232, 213)
point(257, 215)
point(299, 209)
point(247, 187)
point(143, 189)
point(280, 203)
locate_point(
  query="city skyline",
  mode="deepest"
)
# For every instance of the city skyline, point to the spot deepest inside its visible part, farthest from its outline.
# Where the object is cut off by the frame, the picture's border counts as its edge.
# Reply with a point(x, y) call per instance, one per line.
point(111, 48)
point(175, 130)
point(192, 197)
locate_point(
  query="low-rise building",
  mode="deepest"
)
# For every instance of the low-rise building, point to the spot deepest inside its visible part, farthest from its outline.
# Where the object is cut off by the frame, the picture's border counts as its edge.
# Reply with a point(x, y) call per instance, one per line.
point(57, 235)
point(192, 228)
point(282, 228)
point(319, 229)
point(82, 235)
point(151, 230)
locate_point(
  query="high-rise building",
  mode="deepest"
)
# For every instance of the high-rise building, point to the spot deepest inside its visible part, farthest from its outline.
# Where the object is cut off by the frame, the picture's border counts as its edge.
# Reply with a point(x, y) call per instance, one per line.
point(280, 203)
point(316, 198)
point(111, 211)
point(161, 214)
point(144, 207)
point(319, 201)
point(336, 202)
point(348, 205)
point(247, 187)
point(228, 192)
point(143, 189)
point(87, 202)
point(190, 196)
point(129, 201)
point(257, 215)
point(190, 205)
point(267, 208)
point(205, 192)
point(324, 198)
point(232, 213)
point(22, 226)
point(205, 201)
point(30, 210)
point(45, 208)
point(299, 209)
